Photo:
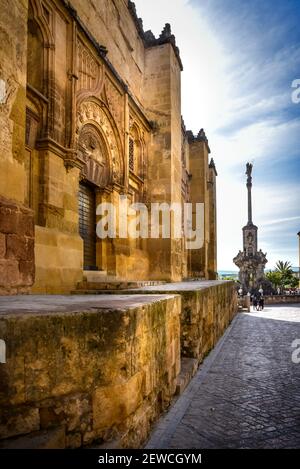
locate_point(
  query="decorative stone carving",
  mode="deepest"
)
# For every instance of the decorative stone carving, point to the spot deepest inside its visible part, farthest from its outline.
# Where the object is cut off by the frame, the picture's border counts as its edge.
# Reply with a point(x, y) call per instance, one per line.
point(250, 261)
point(91, 152)
point(90, 73)
point(92, 113)
point(115, 103)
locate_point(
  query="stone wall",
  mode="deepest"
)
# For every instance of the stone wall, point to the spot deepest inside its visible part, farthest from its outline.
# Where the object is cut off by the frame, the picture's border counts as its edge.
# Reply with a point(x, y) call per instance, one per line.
point(58, 261)
point(279, 299)
point(206, 313)
point(88, 374)
point(199, 152)
point(13, 35)
point(207, 309)
point(16, 248)
point(112, 25)
point(163, 105)
point(16, 222)
point(78, 72)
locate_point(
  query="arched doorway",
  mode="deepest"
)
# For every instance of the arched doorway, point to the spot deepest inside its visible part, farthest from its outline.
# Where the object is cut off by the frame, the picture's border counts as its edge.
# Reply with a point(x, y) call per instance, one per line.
point(94, 179)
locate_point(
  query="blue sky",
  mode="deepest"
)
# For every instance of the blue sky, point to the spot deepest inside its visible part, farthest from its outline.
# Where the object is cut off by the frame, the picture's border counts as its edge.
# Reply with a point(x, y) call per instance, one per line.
point(240, 59)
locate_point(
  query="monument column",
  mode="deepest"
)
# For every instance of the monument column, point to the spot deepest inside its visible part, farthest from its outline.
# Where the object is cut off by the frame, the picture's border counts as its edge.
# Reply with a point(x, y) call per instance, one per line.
point(250, 261)
point(249, 187)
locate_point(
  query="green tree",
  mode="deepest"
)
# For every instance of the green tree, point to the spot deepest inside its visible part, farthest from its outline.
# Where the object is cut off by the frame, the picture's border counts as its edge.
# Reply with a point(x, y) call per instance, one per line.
point(292, 283)
point(284, 275)
point(275, 278)
point(285, 268)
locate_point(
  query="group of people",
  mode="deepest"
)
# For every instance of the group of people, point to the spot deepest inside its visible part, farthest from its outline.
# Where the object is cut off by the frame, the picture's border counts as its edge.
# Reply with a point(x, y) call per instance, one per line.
point(256, 298)
point(258, 302)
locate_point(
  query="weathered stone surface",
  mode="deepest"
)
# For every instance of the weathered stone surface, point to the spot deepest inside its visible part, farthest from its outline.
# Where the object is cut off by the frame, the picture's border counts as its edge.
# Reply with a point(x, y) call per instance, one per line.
point(2, 245)
point(50, 439)
point(16, 247)
point(9, 273)
point(98, 367)
point(113, 404)
point(279, 299)
point(18, 421)
point(207, 309)
point(13, 53)
point(19, 247)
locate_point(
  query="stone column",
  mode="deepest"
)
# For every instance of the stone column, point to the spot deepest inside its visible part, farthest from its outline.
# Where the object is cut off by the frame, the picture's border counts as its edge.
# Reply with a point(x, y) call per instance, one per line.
point(199, 193)
point(212, 247)
point(249, 187)
point(162, 98)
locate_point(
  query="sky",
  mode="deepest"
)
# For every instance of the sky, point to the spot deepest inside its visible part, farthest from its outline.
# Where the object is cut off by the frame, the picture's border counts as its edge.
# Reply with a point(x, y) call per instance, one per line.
point(240, 58)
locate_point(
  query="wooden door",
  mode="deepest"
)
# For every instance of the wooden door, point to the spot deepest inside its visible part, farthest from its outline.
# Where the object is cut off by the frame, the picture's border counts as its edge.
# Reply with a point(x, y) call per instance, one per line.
point(87, 225)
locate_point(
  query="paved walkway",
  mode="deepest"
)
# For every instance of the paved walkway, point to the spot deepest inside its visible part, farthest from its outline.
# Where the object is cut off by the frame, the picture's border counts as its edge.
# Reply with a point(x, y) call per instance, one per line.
point(247, 392)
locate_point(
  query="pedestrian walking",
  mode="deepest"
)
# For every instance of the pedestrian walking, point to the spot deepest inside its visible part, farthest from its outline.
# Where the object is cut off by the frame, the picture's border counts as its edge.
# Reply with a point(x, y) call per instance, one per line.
point(261, 303)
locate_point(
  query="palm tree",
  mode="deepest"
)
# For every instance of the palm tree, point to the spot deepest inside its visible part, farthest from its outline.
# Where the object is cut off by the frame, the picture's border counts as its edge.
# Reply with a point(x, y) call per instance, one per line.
point(285, 272)
point(285, 268)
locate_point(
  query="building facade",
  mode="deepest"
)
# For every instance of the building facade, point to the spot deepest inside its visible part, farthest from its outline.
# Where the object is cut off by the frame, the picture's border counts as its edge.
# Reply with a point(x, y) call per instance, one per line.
point(90, 113)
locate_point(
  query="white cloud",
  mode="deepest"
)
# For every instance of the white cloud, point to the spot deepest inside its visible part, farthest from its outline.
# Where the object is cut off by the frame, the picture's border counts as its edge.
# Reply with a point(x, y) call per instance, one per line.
point(237, 99)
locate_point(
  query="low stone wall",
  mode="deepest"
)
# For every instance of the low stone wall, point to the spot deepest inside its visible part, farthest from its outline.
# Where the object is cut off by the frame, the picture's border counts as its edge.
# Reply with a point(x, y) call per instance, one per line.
point(206, 313)
point(85, 370)
point(16, 248)
point(207, 309)
point(279, 299)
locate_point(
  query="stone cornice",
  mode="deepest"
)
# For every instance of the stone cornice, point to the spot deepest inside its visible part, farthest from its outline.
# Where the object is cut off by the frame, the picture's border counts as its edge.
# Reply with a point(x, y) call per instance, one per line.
point(201, 137)
point(148, 38)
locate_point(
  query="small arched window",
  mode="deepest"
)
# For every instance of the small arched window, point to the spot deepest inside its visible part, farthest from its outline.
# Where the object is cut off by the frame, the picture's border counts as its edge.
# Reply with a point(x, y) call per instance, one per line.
point(131, 155)
point(35, 54)
point(135, 151)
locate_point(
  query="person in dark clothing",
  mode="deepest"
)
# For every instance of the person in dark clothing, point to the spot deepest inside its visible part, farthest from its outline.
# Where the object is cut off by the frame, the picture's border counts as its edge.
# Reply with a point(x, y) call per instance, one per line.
point(261, 303)
point(255, 303)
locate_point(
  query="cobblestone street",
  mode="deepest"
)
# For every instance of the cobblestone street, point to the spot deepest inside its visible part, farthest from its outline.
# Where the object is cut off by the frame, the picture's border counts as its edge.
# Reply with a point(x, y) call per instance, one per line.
point(247, 392)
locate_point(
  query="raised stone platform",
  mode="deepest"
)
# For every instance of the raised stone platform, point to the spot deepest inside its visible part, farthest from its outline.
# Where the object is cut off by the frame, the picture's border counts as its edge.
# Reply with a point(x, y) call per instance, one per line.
point(86, 369)
point(99, 369)
point(208, 306)
point(51, 304)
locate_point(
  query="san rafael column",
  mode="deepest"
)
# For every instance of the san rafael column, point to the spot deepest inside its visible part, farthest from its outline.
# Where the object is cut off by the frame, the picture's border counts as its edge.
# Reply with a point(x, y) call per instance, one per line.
point(249, 187)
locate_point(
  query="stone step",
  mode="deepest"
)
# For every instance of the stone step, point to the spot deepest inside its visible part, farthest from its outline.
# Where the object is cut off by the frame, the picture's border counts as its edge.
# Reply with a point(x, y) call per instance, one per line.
point(88, 287)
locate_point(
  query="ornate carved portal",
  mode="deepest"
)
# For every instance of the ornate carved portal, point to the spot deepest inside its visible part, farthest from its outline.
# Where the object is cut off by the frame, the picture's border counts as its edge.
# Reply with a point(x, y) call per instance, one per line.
point(98, 145)
point(93, 155)
point(99, 152)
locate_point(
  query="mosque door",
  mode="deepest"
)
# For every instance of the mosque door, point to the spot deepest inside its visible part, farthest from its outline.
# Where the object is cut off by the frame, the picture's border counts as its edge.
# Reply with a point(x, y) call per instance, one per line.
point(87, 225)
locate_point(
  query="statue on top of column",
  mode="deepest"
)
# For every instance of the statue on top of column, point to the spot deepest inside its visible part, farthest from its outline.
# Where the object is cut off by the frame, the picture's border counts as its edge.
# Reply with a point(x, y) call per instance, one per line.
point(249, 167)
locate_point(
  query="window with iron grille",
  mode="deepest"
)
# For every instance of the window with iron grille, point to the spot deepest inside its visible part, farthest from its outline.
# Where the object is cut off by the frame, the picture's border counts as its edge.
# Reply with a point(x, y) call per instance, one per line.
point(131, 154)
